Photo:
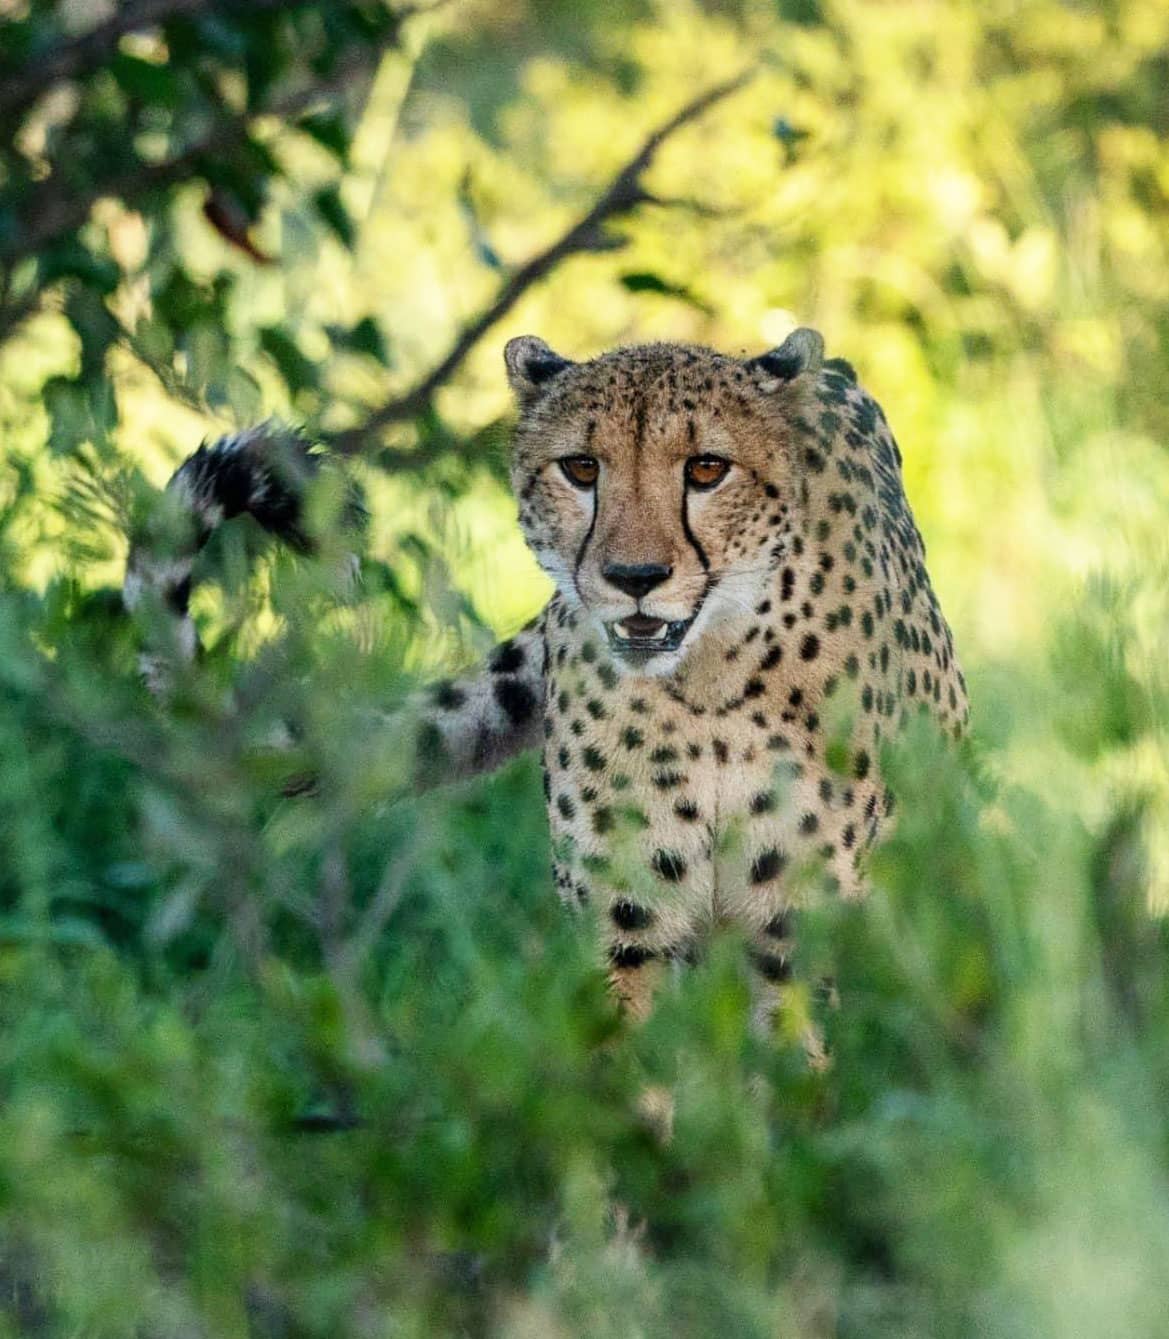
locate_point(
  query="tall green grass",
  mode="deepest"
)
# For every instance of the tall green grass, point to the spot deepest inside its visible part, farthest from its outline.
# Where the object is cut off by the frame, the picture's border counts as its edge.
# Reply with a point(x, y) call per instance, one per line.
point(343, 1066)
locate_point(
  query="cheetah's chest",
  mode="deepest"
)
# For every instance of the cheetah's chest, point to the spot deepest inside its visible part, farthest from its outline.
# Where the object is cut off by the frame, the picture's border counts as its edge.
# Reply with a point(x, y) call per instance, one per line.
point(703, 809)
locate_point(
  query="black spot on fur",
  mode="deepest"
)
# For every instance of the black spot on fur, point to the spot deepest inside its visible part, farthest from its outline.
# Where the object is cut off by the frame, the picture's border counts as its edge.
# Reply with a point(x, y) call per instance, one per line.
point(507, 659)
point(593, 758)
point(669, 865)
point(447, 696)
point(516, 700)
point(766, 865)
point(629, 916)
point(779, 926)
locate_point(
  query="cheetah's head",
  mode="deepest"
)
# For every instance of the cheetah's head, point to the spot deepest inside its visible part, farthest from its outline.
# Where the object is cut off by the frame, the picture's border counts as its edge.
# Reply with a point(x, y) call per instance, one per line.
point(658, 485)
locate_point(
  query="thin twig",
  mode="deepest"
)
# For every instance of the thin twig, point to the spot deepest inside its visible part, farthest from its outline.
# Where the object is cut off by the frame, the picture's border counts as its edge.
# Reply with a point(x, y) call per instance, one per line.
point(623, 194)
point(333, 900)
point(378, 913)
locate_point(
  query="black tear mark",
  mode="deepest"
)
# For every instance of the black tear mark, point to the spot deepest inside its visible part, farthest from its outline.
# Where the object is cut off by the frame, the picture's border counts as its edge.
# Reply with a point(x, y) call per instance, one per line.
point(690, 535)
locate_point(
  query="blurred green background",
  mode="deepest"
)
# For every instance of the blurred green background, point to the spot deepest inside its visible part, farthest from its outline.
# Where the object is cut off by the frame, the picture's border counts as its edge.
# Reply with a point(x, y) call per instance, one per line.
point(341, 1066)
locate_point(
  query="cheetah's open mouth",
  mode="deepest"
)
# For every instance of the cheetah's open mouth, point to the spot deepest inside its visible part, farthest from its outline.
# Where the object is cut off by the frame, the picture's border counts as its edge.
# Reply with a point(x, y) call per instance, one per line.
point(639, 635)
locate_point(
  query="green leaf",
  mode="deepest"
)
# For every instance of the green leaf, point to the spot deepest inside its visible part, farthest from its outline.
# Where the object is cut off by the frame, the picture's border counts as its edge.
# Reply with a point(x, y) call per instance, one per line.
point(146, 80)
point(71, 260)
point(244, 396)
point(644, 281)
point(79, 411)
point(330, 130)
point(207, 350)
point(804, 13)
point(95, 327)
point(299, 372)
point(333, 212)
point(365, 337)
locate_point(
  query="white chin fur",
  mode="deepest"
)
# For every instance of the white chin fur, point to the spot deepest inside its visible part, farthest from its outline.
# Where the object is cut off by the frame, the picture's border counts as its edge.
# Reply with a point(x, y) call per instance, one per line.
point(661, 665)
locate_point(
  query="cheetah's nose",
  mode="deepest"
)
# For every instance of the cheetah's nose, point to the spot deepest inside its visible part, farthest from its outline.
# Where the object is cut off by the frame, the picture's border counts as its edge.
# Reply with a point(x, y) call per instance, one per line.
point(636, 579)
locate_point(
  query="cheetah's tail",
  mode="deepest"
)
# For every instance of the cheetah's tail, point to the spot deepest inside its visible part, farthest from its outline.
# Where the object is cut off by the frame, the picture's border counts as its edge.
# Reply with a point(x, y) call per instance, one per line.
point(264, 472)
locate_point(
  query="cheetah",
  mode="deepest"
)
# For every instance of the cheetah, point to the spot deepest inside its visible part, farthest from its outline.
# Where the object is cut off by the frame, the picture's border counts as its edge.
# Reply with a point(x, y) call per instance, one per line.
point(736, 569)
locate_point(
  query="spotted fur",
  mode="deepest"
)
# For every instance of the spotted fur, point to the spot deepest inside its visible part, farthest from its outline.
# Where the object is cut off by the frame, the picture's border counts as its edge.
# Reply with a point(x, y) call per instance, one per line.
point(692, 786)
point(691, 772)
point(263, 473)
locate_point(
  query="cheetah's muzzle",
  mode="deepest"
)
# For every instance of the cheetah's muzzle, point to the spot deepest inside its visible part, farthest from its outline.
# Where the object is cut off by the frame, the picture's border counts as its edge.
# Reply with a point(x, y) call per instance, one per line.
point(639, 636)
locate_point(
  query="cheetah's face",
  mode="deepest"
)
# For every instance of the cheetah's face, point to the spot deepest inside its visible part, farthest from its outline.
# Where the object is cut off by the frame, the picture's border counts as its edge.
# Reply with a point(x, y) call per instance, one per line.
point(656, 484)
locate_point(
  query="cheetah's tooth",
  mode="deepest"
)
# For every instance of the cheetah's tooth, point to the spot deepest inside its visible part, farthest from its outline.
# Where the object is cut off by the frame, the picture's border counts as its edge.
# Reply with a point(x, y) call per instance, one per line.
point(661, 632)
point(622, 631)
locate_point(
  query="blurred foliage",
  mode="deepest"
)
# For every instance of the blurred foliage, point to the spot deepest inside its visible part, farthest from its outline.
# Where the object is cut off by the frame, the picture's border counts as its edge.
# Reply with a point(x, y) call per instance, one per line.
point(342, 1066)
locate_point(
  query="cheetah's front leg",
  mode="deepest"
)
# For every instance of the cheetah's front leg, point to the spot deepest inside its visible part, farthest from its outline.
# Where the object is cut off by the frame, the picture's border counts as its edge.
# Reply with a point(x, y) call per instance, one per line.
point(478, 721)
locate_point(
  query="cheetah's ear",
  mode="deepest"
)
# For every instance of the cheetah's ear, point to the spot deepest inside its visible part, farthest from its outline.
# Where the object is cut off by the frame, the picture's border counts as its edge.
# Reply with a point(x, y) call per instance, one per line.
point(799, 355)
point(531, 367)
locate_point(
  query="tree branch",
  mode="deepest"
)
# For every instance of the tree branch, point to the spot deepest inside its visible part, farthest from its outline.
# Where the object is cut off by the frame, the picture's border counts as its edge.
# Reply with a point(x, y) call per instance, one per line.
point(52, 213)
point(88, 51)
point(623, 194)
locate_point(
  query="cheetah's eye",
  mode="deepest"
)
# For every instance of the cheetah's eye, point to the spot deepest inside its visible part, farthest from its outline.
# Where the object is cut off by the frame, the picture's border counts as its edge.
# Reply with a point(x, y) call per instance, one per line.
point(581, 470)
point(705, 472)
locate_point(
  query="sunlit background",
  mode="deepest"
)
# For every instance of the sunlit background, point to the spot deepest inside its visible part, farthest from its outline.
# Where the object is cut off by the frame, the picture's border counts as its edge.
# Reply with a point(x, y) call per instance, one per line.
point(967, 200)
point(971, 202)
